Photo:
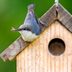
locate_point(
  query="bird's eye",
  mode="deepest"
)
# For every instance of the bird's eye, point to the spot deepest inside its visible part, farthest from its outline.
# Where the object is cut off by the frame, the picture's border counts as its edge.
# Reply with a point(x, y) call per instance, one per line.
point(27, 29)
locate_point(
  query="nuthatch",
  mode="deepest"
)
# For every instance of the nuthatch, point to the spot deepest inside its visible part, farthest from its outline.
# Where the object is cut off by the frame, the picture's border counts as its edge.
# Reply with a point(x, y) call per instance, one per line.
point(30, 29)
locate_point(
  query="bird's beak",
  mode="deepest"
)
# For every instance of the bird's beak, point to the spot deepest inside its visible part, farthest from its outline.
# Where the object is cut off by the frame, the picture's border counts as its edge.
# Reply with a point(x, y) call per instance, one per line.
point(13, 29)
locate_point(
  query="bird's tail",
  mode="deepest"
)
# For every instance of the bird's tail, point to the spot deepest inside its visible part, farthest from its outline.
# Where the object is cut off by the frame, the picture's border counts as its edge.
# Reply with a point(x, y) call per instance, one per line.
point(31, 6)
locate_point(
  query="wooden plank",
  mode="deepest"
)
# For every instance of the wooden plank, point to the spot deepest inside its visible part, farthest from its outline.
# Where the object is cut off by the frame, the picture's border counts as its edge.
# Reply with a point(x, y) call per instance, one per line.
point(62, 12)
point(52, 64)
point(19, 66)
point(65, 18)
point(70, 63)
point(68, 24)
point(61, 64)
point(70, 29)
point(48, 32)
point(65, 64)
point(13, 49)
point(49, 16)
point(57, 65)
point(57, 29)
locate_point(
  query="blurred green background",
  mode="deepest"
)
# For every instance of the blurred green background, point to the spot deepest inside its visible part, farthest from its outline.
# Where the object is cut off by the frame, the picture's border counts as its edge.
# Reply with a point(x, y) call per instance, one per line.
point(12, 13)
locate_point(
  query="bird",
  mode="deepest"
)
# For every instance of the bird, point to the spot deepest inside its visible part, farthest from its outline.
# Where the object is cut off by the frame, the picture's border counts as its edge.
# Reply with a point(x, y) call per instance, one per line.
point(30, 29)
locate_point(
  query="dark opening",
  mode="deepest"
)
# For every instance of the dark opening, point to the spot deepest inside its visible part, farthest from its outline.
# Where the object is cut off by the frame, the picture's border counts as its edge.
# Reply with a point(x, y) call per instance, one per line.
point(56, 46)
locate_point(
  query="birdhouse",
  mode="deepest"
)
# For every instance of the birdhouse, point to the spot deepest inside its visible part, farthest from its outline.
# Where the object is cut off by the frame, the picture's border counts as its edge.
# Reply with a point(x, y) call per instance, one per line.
point(51, 51)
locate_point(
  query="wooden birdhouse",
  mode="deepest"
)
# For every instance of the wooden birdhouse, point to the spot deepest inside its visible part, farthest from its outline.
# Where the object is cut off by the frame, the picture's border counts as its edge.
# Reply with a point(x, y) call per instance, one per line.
point(51, 51)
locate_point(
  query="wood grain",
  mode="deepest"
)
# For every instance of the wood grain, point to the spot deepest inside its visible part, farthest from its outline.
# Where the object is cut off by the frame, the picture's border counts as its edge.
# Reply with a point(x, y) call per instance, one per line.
point(37, 58)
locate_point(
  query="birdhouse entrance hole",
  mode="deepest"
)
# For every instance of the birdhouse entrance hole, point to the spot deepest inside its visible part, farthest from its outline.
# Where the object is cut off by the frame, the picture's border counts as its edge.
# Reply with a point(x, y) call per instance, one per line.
point(56, 47)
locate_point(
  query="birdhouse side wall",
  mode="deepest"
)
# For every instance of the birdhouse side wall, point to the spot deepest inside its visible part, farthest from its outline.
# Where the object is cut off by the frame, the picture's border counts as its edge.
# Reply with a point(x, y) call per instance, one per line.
point(37, 58)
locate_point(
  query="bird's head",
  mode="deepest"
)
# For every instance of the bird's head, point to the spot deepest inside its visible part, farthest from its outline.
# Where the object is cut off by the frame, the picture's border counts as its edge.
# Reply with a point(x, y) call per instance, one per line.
point(20, 29)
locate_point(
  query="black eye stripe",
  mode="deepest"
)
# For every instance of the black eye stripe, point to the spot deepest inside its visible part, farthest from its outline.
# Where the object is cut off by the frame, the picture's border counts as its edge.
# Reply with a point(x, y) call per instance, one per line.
point(26, 29)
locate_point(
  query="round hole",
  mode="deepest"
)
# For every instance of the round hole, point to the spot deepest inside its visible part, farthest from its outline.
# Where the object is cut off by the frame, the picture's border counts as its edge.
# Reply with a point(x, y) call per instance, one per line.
point(56, 46)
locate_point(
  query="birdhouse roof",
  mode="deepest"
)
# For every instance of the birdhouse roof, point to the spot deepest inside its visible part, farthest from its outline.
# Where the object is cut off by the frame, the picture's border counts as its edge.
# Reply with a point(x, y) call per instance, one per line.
point(64, 17)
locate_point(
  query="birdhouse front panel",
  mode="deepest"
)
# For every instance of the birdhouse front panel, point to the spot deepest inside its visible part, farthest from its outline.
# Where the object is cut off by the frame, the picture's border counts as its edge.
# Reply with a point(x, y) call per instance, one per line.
point(51, 52)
